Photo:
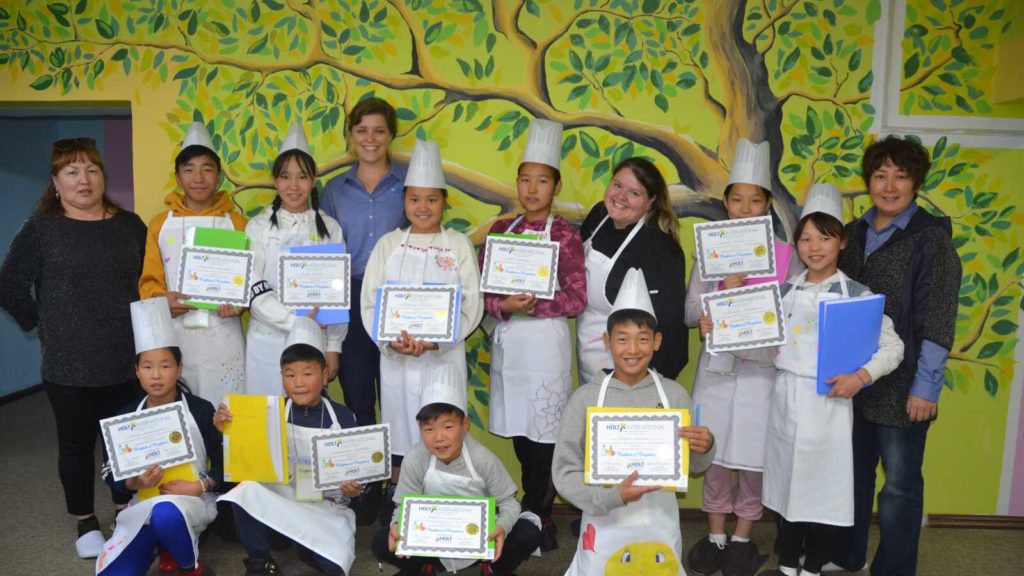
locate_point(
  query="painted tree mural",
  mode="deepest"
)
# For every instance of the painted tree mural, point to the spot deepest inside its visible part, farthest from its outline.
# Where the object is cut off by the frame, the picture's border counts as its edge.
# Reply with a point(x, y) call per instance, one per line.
point(678, 81)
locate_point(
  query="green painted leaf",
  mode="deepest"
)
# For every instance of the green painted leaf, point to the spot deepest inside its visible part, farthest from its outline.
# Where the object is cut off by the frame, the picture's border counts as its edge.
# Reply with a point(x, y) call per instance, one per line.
point(578, 92)
point(911, 66)
point(813, 123)
point(989, 350)
point(991, 383)
point(1004, 327)
point(916, 31)
point(81, 6)
point(661, 102)
point(568, 144)
point(260, 44)
point(104, 28)
point(962, 55)
point(1010, 259)
point(651, 6)
point(42, 83)
point(791, 60)
point(433, 31)
point(589, 145)
point(185, 73)
point(855, 59)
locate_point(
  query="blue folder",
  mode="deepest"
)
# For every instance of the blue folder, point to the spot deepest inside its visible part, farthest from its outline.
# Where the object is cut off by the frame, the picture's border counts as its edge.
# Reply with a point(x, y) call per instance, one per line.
point(323, 316)
point(848, 332)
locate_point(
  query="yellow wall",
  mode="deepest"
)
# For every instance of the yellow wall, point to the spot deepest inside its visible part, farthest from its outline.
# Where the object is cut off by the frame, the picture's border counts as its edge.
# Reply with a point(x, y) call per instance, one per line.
point(678, 81)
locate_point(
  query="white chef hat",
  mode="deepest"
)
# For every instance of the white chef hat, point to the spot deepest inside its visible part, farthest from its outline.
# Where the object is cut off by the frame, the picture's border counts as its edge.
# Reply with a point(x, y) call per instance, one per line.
point(544, 143)
point(824, 198)
point(152, 325)
point(305, 330)
point(443, 386)
point(198, 136)
point(751, 164)
point(295, 140)
point(633, 294)
point(425, 166)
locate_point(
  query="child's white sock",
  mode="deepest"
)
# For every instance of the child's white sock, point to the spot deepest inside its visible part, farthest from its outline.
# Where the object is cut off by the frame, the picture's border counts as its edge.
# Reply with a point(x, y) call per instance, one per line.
point(806, 573)
point(719, 539)
point(739, 539)
point(788, 571)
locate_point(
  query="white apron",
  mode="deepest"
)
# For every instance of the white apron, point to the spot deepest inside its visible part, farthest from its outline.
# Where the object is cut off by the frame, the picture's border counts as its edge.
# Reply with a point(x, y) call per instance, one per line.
point(199, 511)
point(592, 324)
point(808, 471)
point(265, 342)
point(213, 347)
point(402, 377)
point(642, 537)
point(325, 527)
point(534, 355)
point(437, 483)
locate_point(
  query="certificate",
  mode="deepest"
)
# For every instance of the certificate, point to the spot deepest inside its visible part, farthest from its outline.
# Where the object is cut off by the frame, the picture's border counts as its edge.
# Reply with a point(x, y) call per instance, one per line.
point(427, 312)
point(748, 317)
point(520, 266)
point(360, 454)
point(215, 275)
point(141, 439)
point(447, 527)
point(621, 441)
point(743, 246)
point(314, 280)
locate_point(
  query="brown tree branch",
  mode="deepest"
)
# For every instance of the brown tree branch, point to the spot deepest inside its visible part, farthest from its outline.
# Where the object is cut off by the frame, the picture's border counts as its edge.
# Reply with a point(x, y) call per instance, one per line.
point(710, 101)
point(784, 11)
point(506, 23)
point(972, 337)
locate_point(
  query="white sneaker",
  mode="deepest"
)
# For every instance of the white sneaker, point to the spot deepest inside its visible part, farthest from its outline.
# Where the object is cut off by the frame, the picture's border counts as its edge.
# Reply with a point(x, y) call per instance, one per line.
point(90, 544)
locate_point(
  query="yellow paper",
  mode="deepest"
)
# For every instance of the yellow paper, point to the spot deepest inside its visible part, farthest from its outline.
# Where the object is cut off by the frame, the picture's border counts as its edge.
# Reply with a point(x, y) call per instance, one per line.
point(255, 441)
point(186, 471)
point(684, 445)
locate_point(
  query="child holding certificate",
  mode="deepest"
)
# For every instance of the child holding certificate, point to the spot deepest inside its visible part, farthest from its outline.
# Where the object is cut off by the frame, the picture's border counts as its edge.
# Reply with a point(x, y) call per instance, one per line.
point(320, 523)
point(734, 395)
point(449, 462)
point(808, 469)
point(531, 346)
point(294, 219)
point(423, 253)
point(212, 341)
point(172, 520)
point(626, 528)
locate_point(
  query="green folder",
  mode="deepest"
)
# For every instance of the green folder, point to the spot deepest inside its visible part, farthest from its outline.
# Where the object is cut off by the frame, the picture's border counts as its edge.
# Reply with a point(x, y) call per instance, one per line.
point(215, 238)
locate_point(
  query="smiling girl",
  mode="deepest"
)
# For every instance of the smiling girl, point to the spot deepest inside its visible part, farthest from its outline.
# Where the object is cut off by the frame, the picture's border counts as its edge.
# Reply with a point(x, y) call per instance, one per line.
point(294, 219)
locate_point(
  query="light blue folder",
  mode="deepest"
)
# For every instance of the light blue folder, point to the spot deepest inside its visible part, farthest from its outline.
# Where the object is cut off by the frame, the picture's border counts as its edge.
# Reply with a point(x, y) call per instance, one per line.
point(323, 316)
point(848, 332)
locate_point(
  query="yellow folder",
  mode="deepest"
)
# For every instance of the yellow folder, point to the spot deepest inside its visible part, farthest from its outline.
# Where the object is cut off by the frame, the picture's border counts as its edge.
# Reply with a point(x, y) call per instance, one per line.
point(255, 441)
point(186, 471)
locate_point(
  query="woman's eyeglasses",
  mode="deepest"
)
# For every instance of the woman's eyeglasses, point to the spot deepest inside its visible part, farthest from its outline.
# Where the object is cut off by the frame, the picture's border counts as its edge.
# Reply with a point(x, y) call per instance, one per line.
point(69, 144)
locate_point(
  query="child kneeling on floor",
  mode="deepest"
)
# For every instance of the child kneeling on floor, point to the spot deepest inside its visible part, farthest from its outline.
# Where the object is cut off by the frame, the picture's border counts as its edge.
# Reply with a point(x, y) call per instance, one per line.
point(450, 462)
point(320, 523)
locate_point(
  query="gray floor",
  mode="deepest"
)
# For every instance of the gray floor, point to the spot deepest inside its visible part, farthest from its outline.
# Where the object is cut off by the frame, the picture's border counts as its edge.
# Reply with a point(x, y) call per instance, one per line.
point(40, 539)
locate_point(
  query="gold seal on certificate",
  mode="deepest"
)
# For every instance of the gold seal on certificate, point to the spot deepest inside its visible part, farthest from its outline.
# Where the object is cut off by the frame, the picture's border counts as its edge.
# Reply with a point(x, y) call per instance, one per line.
point(361, 454)
point(647, 441)
point(141, 439)
point(446, 527)
point(741, 246)
point(515, 265)
point(749, 317)
point(215, 275)
point(427, 312)
point(309, 280)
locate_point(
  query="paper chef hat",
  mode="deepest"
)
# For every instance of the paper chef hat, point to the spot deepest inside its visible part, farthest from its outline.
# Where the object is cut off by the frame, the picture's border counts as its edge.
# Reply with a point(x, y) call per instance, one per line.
point(197, 136)
point(633, 294)
point(425, 166)
point(824, 198)
point(152, 325)
point(305, 330)
point(751, 164)
point(295, 140)
point(544, 143)
point(444, 386)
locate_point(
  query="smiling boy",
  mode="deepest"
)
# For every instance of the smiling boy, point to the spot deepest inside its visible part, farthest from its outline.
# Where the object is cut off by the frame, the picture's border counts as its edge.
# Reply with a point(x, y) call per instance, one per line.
point(623, 524)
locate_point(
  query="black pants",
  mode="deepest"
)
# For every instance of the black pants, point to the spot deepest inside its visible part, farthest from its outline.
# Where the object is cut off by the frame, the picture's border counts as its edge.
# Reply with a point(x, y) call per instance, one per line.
point(535, 459)
point(78, 411)
point(519, 544)
point(359, 370)
point(808, 538)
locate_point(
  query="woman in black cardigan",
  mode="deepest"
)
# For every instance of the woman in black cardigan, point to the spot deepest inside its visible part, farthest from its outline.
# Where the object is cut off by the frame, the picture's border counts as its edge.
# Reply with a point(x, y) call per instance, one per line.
point(72, 271)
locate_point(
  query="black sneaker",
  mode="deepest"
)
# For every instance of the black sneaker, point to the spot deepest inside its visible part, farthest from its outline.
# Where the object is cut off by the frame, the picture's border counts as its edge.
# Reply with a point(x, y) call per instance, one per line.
point(261, 567)
point(548, 535)
point(706, 557)
point(741, 559)
point(387, 505)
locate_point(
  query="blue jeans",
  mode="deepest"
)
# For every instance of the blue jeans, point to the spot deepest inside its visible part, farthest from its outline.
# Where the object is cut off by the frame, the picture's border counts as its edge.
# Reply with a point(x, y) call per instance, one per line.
point(167, 528)
point(359, 371)
point(900, 503)
point(255, 538)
